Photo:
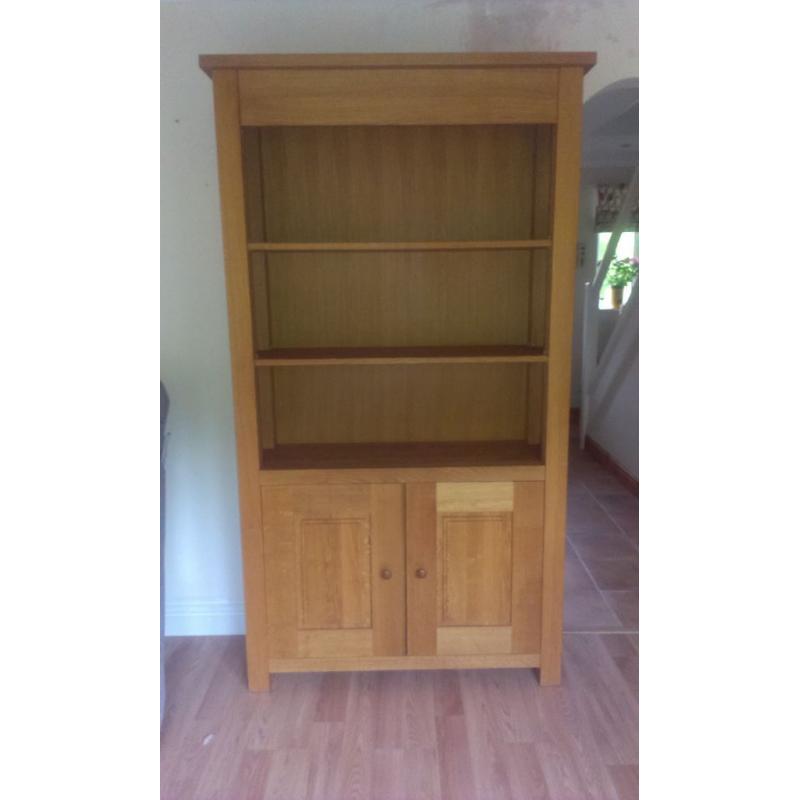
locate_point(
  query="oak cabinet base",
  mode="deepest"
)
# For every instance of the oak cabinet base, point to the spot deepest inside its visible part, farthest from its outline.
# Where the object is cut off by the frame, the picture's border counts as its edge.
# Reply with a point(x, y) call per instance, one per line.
point(403, 576)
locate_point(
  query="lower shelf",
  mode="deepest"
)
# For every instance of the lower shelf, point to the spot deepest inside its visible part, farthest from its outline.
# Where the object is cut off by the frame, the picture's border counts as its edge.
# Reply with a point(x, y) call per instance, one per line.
point(401, 454)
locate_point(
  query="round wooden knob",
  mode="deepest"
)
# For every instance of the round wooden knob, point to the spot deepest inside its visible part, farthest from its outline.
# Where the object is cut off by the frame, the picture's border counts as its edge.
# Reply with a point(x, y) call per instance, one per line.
point(422, 573)
point(386, 574)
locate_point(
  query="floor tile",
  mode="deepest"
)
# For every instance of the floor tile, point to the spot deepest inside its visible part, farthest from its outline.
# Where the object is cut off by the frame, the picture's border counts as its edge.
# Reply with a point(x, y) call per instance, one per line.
point(602, 544)
point(585, 513)
point(576, 578)
point(613, 573)
point(625, 604)
point(617, 502)
point(585, 610)
point(575, 489)
point(604, 483)
point(629, 522)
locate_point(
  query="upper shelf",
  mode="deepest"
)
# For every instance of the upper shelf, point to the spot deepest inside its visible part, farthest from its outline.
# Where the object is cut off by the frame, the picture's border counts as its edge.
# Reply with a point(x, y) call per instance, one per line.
point(466, 354)
point(307, 247)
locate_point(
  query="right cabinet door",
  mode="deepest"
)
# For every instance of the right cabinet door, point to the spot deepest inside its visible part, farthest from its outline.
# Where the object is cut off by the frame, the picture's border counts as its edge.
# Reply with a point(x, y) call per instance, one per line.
point(474, 567)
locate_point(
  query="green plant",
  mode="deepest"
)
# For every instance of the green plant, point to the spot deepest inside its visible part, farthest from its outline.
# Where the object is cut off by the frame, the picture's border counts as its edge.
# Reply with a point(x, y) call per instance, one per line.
point(622, 271)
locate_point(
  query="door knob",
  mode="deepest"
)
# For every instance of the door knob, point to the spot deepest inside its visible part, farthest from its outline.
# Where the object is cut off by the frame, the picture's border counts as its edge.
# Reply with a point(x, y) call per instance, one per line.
point(386, 574)
point(422, 573)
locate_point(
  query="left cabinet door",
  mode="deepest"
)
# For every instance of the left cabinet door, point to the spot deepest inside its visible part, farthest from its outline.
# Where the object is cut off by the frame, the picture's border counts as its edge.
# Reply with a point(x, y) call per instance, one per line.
point(335, 570)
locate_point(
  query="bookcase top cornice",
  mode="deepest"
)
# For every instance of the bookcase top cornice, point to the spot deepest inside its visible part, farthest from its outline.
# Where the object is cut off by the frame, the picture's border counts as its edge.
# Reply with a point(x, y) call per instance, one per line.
point(209, 63)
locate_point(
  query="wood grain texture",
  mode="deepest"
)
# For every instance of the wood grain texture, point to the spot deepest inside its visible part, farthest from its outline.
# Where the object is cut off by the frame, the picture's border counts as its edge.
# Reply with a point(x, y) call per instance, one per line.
point(397, 96)
point(431, 182)
point(445, 183)
point(400, 403)
point(421, 593)
point(565, 230)
point(480, 545)
point(387, 515)
point(280, 550)
point(334, 573)
point(537, 382)
point(474, 566)
point(484, 467)
point(209, 63)
point(526, 582)
point(265, 397)
point(541, 227)
point(440, 245)
point(326, 546)
point(256, 230)
point(472, 640)
point(409, 662)
point(335, 643)
point(399, 245)
point(410, 455)
point(259, 280)
point(538, 313)
point(322, 356)
point(400, 299)
point(540, 260)
point(237, 278)
point(470, 497)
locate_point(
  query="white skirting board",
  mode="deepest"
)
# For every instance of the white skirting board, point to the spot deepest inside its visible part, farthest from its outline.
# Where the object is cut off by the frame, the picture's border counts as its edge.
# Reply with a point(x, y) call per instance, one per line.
point(204, 618)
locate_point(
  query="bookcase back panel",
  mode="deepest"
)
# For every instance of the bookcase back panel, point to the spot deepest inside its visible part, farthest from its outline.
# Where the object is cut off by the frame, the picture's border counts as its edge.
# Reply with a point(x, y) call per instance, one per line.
point(401, 403)
point(392, 183)
point(399, 299)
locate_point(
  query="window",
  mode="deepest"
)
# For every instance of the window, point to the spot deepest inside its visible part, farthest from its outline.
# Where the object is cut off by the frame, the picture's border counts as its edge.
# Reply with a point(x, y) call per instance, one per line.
point(628, 247)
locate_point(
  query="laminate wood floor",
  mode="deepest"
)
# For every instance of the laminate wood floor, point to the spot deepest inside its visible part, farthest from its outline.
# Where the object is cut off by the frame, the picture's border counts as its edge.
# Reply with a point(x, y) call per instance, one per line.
point(450, 735)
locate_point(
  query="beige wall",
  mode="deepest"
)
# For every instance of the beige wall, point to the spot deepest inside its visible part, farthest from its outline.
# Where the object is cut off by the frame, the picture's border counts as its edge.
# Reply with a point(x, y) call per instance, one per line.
point(203, 582)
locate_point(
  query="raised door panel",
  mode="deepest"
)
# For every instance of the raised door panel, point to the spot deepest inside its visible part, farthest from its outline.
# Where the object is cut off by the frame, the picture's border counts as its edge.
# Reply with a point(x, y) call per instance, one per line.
point(475, 576)
point(335, 570)
point(333, 565)
point(474, 565)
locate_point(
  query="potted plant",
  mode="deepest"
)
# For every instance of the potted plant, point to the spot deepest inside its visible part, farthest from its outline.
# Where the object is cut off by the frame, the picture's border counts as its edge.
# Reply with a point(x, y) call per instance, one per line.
point(621, 272)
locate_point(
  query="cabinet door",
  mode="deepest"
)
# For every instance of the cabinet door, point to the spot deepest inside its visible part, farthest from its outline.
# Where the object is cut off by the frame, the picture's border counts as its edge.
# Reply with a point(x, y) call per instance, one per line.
point(474, 566)
point(335, 567)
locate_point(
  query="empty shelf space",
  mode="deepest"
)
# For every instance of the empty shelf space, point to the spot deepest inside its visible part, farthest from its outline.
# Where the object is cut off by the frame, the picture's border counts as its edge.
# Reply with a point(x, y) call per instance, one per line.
point(307, 247)
point(401, 454)
point(465, 354)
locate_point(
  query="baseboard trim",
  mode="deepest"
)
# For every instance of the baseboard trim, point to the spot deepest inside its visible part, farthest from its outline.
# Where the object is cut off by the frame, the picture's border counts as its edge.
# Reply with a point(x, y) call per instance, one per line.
point(203, 618)
point(603, 457)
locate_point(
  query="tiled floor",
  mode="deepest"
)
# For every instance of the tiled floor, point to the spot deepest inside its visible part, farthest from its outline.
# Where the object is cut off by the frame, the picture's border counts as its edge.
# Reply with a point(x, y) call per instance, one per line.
point(601, 591)
point(450, 735)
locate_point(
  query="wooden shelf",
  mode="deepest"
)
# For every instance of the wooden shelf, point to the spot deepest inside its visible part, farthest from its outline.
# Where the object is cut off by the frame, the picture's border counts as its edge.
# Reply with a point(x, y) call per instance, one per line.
point(378, 247)
point(401, 454)
point(472, 354)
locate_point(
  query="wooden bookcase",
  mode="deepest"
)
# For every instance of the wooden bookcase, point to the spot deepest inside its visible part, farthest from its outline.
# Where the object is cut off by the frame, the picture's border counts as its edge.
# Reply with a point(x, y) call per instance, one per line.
point(399, 235)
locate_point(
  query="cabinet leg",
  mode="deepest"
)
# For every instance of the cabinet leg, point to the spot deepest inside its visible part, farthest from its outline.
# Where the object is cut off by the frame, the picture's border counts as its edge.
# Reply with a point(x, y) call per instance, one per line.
point(257, 664)
point(550, 670)
point(258, 681)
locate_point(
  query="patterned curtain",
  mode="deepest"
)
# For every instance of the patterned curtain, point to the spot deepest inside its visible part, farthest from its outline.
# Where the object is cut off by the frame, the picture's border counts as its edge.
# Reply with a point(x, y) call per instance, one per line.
point(609, 202)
